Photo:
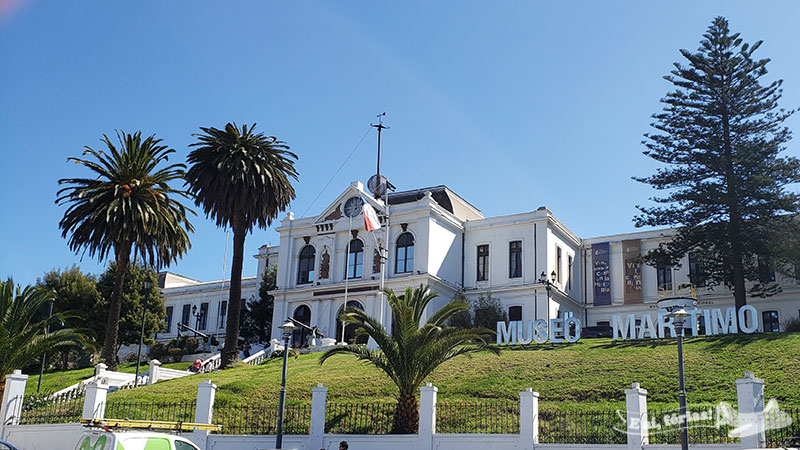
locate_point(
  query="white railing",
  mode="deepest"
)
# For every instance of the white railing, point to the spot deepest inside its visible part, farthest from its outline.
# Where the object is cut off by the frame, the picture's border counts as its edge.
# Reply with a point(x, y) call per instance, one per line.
point(256, 358)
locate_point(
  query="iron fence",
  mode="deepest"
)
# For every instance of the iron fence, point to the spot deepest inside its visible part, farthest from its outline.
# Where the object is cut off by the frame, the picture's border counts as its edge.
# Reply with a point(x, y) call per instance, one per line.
point(48, 409)
point(582, 427)
point(359, 418)
point(261, 419)
point(782, 425)
point(182, 411)
point(486, 416)
point(707, 425)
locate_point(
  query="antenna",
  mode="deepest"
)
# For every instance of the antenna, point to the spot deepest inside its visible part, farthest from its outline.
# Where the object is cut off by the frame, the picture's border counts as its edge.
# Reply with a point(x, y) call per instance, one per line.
point(380, 128)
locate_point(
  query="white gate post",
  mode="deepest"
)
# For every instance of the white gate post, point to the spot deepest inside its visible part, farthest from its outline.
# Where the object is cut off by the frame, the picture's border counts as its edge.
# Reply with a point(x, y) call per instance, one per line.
point(13, 395)
point(204, 411)
point(636, 406)
point(153, 374)
point(427, 416)
point(94, 403)
point(528, 419)
point(750, 399)
point(99, 370)
point(316, 431)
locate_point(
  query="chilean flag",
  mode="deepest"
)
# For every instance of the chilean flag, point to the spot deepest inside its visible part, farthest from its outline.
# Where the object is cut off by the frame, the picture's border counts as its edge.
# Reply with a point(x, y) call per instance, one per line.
point(371, 221)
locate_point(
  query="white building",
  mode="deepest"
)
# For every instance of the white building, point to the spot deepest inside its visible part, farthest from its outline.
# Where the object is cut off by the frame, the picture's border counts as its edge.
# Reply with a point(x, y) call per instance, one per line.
point(439, 239)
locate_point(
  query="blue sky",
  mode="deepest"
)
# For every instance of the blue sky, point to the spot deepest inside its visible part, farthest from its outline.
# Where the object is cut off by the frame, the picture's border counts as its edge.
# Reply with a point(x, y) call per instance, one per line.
point(513, 105)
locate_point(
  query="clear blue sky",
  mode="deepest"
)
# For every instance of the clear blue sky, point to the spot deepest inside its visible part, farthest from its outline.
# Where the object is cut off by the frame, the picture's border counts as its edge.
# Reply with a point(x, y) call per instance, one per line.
point(513, 105)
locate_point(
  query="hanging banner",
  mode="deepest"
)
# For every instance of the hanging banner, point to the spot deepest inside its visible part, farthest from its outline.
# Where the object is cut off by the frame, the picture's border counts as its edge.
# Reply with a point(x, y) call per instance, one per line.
point(631, 252)
point(602, 274)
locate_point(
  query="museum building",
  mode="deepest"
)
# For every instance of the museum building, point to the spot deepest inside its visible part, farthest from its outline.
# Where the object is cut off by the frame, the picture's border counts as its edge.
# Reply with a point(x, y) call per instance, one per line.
point(531, 262)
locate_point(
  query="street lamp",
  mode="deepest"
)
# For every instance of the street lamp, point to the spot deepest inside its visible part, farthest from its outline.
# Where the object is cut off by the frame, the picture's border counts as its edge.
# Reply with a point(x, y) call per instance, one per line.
point(147, 286)
point(198, 316)
point(548, 284)
point(679, 309)
point(287, 329)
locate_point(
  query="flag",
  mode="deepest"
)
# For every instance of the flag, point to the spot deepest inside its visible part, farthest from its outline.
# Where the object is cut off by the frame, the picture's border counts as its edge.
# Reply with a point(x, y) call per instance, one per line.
point(371, 221)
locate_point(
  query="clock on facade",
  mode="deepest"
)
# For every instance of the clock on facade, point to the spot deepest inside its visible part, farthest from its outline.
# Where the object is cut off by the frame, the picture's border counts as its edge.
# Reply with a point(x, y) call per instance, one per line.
point(353, 207)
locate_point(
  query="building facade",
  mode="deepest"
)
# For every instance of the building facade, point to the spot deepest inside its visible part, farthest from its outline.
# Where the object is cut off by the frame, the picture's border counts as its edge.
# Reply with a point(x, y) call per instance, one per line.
point(437, 238)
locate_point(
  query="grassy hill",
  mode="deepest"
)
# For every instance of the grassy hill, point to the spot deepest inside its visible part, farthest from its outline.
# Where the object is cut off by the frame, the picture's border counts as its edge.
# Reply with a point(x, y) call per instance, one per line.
point(590, 374)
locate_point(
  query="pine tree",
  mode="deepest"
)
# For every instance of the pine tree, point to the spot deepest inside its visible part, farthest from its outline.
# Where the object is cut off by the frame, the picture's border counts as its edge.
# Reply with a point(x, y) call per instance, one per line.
point(720, 136)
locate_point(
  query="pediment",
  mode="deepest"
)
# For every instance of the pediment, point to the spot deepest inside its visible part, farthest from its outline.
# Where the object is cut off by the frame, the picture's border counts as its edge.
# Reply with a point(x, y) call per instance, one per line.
point(334, 210)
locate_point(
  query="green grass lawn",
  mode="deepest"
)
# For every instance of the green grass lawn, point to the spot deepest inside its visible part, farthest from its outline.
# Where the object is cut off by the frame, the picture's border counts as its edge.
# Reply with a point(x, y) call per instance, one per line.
point(589, 375)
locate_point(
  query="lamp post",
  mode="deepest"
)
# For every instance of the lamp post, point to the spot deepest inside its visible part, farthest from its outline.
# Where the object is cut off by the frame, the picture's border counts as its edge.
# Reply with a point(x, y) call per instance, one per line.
point(287, 329)
point(197, 317)
point(679, 309)
point(147, 285)
point(548, 284)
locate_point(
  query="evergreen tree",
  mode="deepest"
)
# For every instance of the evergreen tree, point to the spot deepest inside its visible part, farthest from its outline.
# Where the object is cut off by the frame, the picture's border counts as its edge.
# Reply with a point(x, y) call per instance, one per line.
point(130, 321)
point(257, 317)
point(720, 136)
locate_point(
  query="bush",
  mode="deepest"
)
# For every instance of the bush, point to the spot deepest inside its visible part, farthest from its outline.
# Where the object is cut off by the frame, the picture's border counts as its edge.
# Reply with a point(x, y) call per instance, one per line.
point(158, 351)
point(792, 325)
point(175, 354)
point(130, 357)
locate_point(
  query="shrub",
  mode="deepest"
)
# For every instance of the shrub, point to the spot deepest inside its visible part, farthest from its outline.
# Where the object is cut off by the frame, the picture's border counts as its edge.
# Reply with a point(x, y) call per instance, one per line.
point(176, 354)
point(792, 325)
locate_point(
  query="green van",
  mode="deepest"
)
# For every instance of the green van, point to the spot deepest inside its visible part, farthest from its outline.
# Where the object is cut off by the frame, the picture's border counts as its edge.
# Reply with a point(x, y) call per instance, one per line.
point(131, 440)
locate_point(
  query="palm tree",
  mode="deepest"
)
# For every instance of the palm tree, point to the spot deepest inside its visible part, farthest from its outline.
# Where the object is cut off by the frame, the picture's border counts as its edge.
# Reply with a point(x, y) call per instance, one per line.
point(129, 207)
point(23, 328)
point(413, 350)
point(241, 179)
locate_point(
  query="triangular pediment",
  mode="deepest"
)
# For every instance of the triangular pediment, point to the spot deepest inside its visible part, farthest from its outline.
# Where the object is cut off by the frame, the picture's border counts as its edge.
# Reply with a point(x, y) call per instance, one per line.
point(335, 212)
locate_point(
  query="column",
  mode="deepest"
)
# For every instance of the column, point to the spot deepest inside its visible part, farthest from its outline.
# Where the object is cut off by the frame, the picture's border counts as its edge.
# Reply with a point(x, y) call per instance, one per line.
point(427, 416)
point(204, 411)
point(528, 419)
point(11, 409)
point(153, 374)
point(636, 406)
point(750, 399)
point(94, 403)
point(319, 398)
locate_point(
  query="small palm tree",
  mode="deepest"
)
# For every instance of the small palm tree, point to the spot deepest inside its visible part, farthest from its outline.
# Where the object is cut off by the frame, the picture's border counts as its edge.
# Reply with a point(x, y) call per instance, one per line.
point(129, 207)
point(241, 179)
point(413, 350)
point(23, 328)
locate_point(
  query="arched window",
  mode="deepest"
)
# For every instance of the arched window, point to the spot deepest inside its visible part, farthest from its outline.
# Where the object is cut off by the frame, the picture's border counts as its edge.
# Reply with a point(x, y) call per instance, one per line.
point(300, 335)
point(350, 329)
point(305, 268)
point(404, 254)
point(355, 259)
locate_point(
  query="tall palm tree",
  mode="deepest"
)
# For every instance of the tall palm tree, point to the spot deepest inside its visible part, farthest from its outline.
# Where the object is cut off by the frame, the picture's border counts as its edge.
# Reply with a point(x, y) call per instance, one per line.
point(241, 179)
point(128, 208)
point(413, 350)
point(23, 328)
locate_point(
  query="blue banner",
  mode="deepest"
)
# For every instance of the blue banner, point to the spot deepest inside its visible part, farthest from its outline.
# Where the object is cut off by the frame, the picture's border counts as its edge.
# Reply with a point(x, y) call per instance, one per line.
point(601, 273)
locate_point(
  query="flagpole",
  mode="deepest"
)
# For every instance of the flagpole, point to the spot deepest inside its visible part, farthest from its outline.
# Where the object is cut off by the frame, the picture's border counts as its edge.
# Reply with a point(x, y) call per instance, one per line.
point(386, 257)
point(347, 269)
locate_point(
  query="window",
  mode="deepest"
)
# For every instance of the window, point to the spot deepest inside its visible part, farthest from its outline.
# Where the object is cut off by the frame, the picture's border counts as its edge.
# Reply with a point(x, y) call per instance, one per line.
point(697, 275)
point(404, 256)
point(202, 318)
point(185, 314)
point(766, 271)
point(483, 262)
point(355, 259)
point(770, 319)
point(514, 259)
point(604, 323)
point(168, 320)
point(222, 313)
point(664, 278)
point(515, 313)
point(305, 267)
point(558, 265)
point(569, 272)
point(180, 445)
point(349, 329)
point(302, 314)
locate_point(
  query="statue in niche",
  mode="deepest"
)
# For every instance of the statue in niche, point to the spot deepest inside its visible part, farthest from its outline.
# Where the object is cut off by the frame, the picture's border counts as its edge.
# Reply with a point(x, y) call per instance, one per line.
point(325, 265)
point(376, 261)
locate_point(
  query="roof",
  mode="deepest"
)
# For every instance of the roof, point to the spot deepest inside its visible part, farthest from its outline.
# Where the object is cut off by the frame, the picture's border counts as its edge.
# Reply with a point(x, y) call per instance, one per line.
point(443, 196)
